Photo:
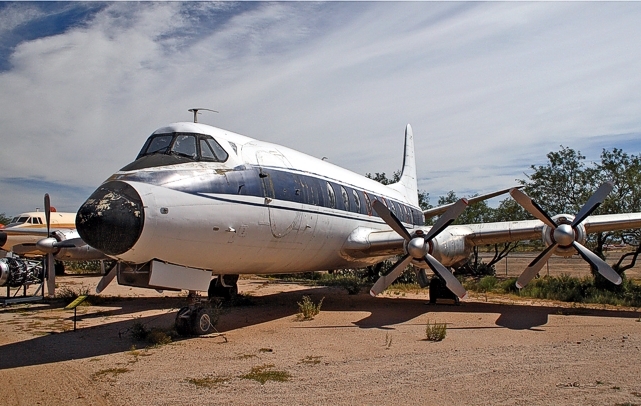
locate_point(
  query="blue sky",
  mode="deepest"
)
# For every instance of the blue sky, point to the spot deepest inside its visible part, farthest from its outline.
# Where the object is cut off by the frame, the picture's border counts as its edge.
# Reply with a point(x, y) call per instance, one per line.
point(489, 88)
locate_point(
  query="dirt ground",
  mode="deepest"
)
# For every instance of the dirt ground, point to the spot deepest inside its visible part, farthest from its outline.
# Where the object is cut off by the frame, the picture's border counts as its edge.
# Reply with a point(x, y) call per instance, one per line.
point(358, 350)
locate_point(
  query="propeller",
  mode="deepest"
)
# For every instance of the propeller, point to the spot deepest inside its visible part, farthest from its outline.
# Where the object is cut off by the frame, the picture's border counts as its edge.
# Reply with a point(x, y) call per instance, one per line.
point(107, 278)
point(418, 247)
point(564, 235)
point(49, 261)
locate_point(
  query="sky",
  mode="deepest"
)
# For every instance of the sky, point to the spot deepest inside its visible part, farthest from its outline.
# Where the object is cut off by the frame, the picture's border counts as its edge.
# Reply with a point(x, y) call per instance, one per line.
point(489, 87)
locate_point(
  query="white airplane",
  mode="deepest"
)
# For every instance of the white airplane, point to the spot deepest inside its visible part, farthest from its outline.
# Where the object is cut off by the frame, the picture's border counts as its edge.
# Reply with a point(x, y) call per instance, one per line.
point(200, 201)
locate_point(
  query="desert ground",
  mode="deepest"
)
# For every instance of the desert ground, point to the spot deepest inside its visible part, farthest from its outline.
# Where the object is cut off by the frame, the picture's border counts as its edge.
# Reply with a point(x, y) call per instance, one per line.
point(358, 350)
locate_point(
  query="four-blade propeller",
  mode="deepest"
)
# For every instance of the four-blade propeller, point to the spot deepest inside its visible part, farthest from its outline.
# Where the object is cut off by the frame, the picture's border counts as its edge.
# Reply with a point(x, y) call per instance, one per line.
point(418, 248)
point(564, 235)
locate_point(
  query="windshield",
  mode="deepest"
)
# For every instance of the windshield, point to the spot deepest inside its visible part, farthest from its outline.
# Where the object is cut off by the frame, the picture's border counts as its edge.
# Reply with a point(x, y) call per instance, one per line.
point(196, 147)
point(17, 221)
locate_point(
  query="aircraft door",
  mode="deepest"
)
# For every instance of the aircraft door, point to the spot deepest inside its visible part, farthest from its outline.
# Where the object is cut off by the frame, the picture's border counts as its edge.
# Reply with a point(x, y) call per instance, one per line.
point(282, 194)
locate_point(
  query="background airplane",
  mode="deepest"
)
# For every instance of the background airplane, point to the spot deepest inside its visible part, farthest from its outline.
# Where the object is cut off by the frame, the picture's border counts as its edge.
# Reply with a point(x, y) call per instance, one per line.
point(201, 201)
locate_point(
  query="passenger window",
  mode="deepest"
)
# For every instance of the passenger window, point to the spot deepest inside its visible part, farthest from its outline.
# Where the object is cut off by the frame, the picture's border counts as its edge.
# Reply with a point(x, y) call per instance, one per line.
point(357, 202)
point(332, 196)
point(345, 198)
point(185, 145)
point(368, 203)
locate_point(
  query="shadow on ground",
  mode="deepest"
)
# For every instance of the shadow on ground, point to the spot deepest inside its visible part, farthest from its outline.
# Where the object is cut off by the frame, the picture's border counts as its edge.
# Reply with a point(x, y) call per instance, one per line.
point(383, 313)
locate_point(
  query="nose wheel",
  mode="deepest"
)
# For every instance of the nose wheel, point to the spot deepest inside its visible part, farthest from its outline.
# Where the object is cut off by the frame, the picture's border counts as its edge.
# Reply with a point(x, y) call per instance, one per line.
point(198, 318)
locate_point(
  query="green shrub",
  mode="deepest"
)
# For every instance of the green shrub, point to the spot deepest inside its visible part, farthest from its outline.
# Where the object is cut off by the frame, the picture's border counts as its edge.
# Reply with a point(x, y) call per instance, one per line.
point(308, 309)
point(436, 331)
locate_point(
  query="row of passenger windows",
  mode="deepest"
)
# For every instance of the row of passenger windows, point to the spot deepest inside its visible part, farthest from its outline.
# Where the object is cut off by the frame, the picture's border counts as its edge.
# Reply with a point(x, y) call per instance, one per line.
point(310, 190)
point(352, 202)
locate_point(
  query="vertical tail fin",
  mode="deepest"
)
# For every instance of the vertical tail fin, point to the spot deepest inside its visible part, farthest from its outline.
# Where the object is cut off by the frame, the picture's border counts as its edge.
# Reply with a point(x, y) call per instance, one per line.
point(408, 185)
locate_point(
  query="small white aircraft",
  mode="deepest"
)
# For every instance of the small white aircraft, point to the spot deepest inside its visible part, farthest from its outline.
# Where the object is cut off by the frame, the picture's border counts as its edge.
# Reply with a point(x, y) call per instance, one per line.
point(200, 201)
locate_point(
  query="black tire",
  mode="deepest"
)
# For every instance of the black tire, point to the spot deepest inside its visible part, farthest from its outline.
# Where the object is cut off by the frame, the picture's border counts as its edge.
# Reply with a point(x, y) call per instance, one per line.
point(231, 293)
point(183, 322)
point(59, 268)
point(202, 322)
point(213, 289)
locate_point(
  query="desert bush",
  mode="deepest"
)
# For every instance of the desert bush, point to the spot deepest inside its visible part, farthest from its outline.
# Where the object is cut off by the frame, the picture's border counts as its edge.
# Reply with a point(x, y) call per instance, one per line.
point(436, 331)
point(308, 309)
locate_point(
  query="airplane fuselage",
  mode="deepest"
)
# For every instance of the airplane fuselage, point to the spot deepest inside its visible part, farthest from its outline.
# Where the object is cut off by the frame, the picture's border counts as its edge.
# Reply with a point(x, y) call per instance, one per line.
point(258, 208)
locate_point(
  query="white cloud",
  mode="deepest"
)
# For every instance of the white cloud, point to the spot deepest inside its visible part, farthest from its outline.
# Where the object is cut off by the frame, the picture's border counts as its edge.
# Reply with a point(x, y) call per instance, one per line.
point(489, 88)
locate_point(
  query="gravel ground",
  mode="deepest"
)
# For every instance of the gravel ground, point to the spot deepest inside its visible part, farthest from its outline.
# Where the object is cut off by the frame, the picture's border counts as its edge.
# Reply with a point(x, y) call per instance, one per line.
point(358, 350)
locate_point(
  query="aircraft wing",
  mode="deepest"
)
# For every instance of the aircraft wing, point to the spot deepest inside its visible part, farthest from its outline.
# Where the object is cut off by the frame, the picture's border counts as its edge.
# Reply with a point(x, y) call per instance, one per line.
point(368, 243)
point(495, 233)
point(10, 237)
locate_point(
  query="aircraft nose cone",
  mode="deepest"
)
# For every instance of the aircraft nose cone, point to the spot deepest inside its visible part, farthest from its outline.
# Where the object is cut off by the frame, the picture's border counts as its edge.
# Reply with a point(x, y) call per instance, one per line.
point(111, 220)
point(3, 238)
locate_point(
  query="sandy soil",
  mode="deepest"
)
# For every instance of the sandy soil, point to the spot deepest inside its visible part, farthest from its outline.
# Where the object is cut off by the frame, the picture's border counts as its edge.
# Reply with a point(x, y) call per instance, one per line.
point(358, 350)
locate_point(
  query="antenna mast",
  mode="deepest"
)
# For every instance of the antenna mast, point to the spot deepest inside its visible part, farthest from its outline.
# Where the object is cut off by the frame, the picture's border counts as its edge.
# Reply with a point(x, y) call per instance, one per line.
point(196, 110)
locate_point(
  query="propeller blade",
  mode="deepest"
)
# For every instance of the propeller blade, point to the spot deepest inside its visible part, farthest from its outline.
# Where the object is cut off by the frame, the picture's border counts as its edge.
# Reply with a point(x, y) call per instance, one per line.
point(384, 281)
point(593, 203)
point(51, 275)
point(48, 213)
point(391, 220)
point(447, 218)
point(532, 207)
point(602, 267)
point(535, 266)
point(106, 280)
point(450, 280)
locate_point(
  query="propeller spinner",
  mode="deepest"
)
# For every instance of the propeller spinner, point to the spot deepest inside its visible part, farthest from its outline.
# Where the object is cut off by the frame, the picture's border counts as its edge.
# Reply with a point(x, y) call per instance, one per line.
point(418, 247)
point(564, 235)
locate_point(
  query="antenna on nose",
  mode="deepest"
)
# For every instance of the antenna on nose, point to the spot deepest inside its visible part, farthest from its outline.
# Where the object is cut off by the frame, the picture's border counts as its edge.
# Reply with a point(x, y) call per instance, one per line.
point(196, 110)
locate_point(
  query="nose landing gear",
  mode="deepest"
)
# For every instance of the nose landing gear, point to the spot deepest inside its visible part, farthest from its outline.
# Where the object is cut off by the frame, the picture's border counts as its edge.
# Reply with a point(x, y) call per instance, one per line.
point(197, 318)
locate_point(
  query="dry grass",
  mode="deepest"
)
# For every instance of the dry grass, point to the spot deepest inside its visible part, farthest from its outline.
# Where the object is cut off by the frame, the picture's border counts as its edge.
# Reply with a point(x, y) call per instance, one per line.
point(264, 373)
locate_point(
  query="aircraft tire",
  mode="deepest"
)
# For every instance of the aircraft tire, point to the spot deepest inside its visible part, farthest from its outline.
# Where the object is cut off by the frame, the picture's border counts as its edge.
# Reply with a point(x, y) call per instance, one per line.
point(202, 322)
point(59, 268)
point(183, 322)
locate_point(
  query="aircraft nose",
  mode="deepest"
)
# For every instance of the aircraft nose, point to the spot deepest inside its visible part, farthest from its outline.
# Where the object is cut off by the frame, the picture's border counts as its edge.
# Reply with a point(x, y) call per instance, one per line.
point(111, 220)
point(3, 238)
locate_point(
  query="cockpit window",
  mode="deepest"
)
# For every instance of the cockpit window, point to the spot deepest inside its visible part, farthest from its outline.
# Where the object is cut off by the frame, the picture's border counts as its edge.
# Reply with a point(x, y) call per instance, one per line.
point(17, 221)
point(185, 145)
point(194, 147)
point(210, 150)
point(158, 144)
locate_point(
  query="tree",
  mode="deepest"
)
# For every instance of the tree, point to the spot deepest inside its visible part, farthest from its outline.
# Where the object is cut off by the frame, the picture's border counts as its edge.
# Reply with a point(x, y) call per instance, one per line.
point(564, 184)
point(625, 172)
point(4, 220)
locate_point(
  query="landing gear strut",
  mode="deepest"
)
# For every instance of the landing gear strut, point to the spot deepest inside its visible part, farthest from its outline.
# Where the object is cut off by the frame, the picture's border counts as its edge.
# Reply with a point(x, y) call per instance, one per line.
point(225, 286)
point(197, 318)
point(438, 290)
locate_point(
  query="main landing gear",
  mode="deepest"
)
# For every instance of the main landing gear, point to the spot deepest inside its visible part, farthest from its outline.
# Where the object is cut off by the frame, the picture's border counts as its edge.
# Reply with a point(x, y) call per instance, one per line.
point(223, 286)
point(438, 290)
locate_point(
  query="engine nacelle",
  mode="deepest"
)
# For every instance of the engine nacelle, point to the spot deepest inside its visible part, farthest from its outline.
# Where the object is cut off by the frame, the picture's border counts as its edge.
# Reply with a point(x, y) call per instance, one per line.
point(16, 272)
point(449, 247)
point(547, 234)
